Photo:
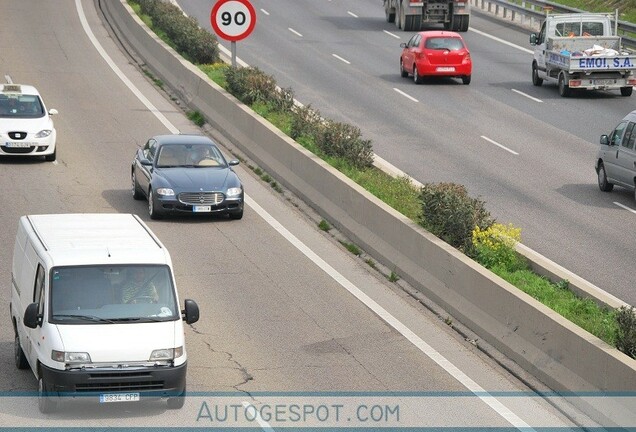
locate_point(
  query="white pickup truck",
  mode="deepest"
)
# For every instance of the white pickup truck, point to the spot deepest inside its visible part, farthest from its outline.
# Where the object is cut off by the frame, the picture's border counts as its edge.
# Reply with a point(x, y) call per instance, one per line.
point(580, 51)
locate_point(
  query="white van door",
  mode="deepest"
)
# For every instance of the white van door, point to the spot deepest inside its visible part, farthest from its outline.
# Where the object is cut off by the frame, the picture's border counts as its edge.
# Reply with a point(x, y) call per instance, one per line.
point(626, 162)
point(33, 336)
point(610, 159)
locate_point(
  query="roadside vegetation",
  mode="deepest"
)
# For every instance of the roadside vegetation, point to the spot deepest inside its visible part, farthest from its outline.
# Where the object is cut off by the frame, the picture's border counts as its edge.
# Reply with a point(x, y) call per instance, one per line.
point(444, 209)
point(626, 8)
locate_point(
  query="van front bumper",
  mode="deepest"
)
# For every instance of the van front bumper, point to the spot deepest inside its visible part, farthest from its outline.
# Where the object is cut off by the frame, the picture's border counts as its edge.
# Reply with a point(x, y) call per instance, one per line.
point(164, 381)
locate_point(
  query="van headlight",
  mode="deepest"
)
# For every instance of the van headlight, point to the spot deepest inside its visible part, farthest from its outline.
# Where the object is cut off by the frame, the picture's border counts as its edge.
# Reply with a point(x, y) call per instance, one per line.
point(70, 357)
point(166, 353)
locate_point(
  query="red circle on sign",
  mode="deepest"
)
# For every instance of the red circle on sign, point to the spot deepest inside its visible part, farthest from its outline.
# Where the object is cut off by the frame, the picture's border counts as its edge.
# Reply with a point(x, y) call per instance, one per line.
point(241, 31)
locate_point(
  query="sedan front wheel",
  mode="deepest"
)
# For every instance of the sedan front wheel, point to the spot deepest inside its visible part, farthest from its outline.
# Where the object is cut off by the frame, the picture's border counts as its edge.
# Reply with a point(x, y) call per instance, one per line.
point(152, 210)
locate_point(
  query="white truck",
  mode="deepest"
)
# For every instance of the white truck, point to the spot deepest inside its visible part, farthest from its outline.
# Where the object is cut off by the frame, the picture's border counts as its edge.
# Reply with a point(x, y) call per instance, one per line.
point(581, 51)
point(411, 15)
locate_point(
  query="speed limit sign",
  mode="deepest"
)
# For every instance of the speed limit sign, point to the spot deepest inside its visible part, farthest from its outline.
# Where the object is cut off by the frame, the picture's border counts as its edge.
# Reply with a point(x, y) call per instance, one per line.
point(233, 20)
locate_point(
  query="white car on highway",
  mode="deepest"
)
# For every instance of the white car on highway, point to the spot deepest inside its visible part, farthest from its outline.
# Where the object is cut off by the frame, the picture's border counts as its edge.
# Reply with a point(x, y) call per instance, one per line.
point(26, 127)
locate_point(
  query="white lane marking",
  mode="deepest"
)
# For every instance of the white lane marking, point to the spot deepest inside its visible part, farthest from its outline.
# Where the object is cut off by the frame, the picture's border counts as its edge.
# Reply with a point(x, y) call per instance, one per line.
point(429, 351)
point(499, 145)
point(294, 32)
point(405, 95)
point(257, 415)
point(527, 95)
point(625, 207)
point(352, 14)
point(119, 73)
point(391, 34)
point(8, 79)
point(341, 59)
point(264, 11)
point(505, 42)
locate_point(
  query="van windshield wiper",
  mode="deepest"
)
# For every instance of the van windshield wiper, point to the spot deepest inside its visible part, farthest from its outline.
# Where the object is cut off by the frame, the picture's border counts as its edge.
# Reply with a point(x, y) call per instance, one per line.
point(82, 317)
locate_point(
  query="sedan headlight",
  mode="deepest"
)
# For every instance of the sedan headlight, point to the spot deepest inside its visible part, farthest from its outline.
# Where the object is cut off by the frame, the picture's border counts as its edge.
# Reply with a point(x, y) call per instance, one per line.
point(43, 133)
point(165, 192)
point(166, 353)
point(70, 357)
point(235, 191)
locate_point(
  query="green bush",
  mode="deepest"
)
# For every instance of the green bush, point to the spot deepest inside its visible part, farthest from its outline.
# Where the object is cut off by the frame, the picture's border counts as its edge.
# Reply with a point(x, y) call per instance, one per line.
point(305, 121)
point(344, 141)
point(626, 332)
point(251, 85)
point(452, 215)
point(495, 247)
point(195, 43)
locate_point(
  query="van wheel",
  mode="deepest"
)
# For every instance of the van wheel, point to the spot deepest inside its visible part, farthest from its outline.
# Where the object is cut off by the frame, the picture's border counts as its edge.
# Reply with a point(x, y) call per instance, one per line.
point(603, 184)
point(46, 401)
point(626, 91)
point(536, 81)
point(178, 401)
point(21, 361)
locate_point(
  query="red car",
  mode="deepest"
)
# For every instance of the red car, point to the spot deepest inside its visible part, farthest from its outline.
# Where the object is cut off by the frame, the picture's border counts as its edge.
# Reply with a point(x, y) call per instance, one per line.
point(436, 53)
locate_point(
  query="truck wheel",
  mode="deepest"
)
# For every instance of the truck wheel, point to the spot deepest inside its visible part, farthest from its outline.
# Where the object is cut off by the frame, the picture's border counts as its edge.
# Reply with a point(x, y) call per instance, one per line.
point(21, 361)
point(412, 22)
point(535, 76)
point(603, 184)
point(417, 79)
point(564, 89)
point(403, 73)
point(463, 23)
point(46, 401)
point(626, 91)
point(390, 16)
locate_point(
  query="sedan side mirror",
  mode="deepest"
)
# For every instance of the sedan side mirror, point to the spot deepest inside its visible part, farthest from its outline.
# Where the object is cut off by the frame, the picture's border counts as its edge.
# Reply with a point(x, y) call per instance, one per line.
point(233, 162)
point(52, 111)
point(533, 39)
point(31, 318)
point(403, 45)
point(605, 140)
point(191, 311)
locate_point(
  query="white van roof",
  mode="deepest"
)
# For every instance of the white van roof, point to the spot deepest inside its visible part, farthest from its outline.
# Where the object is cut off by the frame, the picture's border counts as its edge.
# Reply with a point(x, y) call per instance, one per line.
point(97, 238)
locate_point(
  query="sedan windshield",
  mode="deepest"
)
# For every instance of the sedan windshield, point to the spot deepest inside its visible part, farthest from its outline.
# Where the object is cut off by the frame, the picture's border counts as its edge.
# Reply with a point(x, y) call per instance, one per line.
point(112, 294)
point(444, 43)
point(20, 106)
point(190, 155)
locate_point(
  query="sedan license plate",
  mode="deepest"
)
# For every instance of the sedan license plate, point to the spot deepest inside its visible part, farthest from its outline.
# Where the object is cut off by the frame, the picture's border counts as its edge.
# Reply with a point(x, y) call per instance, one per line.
point(18, 144)
point(202, 209)
point(446, 69)
point(118, 397)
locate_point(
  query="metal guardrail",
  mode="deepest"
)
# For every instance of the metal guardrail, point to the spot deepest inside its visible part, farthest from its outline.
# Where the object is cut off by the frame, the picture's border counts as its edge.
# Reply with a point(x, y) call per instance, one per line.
point(532, 12)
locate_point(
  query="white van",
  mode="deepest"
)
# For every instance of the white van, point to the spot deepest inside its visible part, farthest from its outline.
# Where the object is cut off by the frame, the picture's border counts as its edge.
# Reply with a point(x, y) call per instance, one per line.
point(95, 310)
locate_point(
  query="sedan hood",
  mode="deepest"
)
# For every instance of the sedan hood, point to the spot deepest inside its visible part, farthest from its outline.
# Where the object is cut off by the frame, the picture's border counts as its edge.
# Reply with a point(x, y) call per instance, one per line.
point(195, 179)
point(30, 125)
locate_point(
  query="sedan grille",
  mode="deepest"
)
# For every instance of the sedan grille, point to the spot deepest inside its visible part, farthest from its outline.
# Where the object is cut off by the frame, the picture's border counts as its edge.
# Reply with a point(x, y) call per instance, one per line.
point(17, 135)
point(201, 198)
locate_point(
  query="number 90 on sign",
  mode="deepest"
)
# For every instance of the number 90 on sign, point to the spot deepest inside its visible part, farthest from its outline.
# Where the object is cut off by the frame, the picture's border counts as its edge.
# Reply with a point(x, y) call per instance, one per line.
point(233, 19)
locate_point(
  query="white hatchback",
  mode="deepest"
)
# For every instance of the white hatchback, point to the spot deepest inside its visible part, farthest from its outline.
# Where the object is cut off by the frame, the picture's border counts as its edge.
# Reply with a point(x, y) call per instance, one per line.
point(26, 127)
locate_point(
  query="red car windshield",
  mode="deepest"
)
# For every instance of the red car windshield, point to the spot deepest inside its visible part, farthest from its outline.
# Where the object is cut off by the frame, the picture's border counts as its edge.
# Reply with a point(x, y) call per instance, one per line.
point(444, 43)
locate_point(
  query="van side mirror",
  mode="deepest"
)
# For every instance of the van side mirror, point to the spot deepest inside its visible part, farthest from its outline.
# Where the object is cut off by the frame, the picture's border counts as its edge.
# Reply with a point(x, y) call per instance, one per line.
point(191, 311)
point(604, 140)
point(31, 318)
point(533, 39)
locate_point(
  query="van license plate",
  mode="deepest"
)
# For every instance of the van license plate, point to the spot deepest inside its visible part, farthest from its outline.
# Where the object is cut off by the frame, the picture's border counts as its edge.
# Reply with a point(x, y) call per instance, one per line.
point(118, 397)
point(201, 209)
point(445, 69)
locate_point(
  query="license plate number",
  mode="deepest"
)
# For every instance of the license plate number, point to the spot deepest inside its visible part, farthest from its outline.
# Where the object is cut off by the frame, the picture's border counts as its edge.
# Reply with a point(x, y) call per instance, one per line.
point(18, 144)
point(445, 69)
point(202, 209)
point(602, 82)
point(119, 397)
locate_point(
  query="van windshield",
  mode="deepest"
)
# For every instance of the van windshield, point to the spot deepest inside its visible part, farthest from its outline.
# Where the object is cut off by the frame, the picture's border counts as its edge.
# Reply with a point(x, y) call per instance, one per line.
point(112, 294)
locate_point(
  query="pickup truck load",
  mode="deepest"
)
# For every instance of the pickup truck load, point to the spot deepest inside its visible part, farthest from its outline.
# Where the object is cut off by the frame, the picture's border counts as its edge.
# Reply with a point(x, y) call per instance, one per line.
point(411, 15)
point(580, 51)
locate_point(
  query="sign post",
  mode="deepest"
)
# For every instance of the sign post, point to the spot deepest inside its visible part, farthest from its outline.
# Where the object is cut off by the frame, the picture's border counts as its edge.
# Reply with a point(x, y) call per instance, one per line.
point(233, 20)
